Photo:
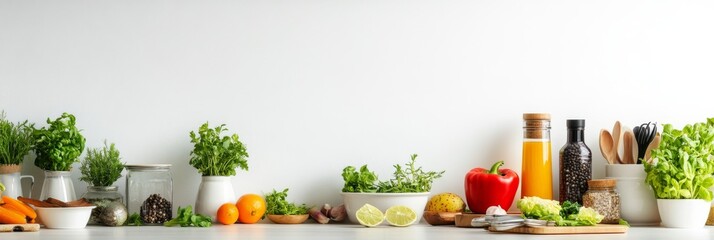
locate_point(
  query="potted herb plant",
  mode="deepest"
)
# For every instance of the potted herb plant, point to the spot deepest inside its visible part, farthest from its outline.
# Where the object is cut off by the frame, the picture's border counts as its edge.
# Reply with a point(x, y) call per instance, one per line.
point(58, 146)
point(681, 174)
point(280, 211)
point(409, 187)
point(16, 141)
point(216, 158)
point(100, 169)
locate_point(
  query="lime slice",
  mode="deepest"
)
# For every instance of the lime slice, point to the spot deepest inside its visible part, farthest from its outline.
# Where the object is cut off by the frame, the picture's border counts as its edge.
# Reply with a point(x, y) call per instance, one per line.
point(369, 215)
point(400, 216)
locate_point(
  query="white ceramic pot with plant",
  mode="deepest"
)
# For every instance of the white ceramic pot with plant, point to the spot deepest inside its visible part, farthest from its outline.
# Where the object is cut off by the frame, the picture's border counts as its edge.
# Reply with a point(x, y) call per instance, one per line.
point(681, 174)
point(58, 146)
point(16, 141)
point(216, 158)
point(410, 187)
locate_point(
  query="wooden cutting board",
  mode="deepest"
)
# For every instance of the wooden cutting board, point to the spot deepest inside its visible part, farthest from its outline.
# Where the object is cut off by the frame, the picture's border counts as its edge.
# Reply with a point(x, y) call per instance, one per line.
point(30, 227)
point(600, 228)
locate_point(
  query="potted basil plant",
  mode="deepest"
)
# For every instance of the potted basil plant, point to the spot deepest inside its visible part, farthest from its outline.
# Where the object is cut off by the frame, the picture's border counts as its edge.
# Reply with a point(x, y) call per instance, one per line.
point(58, 146)
point(16, 141)
point(409, 187)
point(681, 174)
point(216, 158)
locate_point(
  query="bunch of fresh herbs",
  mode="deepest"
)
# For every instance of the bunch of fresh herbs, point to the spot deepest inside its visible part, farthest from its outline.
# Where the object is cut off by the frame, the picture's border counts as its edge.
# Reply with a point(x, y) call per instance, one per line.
point(59, 145)
point(186, 218)
point(278, 205)
point(682, 165)
point(409, 179)
point(216, 155)
point(101, 167)
point(16, 140)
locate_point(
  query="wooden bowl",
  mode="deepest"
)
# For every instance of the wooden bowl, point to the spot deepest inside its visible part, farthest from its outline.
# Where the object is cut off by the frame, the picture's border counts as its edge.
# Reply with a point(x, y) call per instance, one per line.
point(440, 218)
point(288, 219)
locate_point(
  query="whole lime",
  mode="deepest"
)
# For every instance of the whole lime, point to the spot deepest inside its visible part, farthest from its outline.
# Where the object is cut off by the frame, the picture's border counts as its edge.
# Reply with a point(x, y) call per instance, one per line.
point(445, 202)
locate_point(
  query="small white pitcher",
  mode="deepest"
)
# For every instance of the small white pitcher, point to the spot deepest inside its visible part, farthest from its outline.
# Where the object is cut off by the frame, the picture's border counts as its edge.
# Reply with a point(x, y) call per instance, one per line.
point(11, 178)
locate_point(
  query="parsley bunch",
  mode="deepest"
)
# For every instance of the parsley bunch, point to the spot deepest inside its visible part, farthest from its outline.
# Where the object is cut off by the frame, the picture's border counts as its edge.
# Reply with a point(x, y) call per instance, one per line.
point(216, 155)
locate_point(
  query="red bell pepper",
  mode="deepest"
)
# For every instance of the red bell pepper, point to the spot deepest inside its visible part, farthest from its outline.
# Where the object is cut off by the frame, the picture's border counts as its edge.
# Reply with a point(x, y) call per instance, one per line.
point(485, 188)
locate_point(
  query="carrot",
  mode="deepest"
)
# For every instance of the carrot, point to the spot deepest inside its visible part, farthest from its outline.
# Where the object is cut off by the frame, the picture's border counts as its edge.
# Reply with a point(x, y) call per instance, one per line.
point(20, 207)
point(11, 217)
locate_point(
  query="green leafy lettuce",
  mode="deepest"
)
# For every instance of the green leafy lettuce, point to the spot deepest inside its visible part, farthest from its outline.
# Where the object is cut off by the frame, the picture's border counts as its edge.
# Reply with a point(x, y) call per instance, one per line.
point(570, 214)
point(682, 165)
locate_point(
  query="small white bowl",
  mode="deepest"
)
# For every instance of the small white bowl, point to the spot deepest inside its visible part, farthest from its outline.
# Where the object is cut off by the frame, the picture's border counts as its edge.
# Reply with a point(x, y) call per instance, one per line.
point(64, 217)
point(683, 213)
point(354, 201)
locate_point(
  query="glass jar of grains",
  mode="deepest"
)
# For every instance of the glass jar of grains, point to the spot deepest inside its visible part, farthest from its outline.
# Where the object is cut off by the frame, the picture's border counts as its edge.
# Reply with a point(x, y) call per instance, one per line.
point(602, 197)
point(149, 192)
point(101, 196)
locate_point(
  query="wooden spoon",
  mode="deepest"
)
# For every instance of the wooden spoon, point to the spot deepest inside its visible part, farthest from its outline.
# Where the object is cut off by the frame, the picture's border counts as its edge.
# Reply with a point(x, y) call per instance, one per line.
point(616, 141)
point(606, 146)
point(654, 144)
point(627, 147)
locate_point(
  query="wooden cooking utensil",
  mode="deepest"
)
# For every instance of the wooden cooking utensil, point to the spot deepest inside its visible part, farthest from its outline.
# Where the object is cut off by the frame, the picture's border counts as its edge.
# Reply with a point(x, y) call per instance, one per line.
point(616, 141)
point(606, 146)
point(628, 139)
point(654, 144)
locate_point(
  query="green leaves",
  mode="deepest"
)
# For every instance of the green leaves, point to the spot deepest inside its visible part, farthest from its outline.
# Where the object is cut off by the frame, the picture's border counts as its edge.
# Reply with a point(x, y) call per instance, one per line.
point(216, 155)
point(406, 179)
point(277, 204)
point(186, 218)
point(133, 220)
point(16, 140)
point(569, 214)
point(683, 162)
point(362, 181)
point(59, 145)
point(101, 167)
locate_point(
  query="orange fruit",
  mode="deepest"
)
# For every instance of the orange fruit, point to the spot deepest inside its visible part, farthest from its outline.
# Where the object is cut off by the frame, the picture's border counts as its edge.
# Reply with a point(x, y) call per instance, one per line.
point(227, 214)
point(251, 208)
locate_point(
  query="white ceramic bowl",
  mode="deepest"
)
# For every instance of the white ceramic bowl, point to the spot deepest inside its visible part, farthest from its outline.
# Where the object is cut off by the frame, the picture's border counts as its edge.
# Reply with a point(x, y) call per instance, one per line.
point(683, 213)
point(354, 201)
point(638, 204)
point(67, 217)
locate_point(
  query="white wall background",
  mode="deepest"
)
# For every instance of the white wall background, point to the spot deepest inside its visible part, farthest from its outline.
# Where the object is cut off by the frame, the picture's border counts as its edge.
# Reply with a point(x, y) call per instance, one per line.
point(314, 86)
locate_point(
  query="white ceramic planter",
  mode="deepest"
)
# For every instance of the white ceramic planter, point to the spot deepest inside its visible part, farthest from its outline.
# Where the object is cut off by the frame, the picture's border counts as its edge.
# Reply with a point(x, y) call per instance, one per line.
point(683, 213)
point(213, 192)
point(354, 201)
point(10, 177)
point(58, 184)
point(638, 204)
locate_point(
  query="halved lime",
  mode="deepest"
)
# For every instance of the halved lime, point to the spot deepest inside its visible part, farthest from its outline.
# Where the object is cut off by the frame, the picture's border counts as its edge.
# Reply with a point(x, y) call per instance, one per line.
point(369, 215)
point(400, 216)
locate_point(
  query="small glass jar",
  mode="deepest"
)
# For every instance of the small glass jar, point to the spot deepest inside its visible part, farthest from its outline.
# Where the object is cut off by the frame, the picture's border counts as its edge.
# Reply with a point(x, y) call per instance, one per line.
point(101, 197)
point(602, 197)
point(149, 192)
point(536, 167)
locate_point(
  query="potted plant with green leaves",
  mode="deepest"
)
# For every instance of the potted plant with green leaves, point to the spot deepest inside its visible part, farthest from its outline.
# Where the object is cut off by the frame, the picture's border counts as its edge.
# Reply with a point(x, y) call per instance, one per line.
point(216, 158)
point(280, 211)
point(409, 187)
point(58, 146)
point(100, 168)
point(681, 174)
point(16, 141)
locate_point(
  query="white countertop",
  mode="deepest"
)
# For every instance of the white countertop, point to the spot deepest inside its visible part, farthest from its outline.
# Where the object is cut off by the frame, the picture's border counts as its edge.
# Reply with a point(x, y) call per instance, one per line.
point(315, 231)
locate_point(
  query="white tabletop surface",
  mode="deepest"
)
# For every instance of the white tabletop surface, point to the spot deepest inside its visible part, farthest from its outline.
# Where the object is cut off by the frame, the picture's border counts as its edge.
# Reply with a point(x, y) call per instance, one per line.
point(313, 231)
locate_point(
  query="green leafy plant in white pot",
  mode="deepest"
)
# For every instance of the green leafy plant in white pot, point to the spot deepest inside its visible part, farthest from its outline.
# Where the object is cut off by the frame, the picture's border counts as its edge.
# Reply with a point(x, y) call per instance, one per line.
point(681, 174)
point(58, 146)
point(216, 158)
point(16, 141)
point(410, 187)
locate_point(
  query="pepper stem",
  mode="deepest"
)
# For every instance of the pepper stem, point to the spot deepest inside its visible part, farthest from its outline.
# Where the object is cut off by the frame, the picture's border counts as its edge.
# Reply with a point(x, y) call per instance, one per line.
point(494, 168)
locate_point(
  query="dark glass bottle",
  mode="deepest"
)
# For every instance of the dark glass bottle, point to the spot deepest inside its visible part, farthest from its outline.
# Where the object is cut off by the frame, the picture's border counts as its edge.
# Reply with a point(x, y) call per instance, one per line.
point(575, 163)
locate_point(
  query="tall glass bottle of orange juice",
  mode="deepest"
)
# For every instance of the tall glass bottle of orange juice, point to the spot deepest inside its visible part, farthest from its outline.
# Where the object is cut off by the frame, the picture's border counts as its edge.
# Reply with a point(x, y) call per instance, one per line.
point(537, 159)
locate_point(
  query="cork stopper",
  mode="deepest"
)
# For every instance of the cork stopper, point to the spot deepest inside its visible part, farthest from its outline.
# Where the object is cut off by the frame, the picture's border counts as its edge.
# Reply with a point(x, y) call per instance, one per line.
point(536, 116)
point(602, 183)
point(7, 168)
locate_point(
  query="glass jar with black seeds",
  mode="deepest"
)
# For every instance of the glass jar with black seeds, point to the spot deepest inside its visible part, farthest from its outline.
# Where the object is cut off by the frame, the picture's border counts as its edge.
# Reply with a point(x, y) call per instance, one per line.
point(149, 192)
point(575, 163)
